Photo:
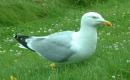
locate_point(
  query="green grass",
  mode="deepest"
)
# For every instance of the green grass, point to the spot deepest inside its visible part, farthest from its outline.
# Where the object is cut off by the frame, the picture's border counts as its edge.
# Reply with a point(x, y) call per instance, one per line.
point(111, 60)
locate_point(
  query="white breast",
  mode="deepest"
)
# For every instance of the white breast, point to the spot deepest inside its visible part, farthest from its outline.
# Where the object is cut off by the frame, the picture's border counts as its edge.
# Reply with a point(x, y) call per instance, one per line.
point(83, 45)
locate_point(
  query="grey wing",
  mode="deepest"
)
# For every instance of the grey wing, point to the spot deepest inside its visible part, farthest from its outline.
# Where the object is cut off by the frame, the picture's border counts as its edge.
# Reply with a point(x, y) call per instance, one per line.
point(55, 48)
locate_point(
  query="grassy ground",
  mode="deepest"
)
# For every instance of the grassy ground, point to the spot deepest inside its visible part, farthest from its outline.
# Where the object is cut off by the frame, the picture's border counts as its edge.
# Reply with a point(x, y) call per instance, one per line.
point(111, 60)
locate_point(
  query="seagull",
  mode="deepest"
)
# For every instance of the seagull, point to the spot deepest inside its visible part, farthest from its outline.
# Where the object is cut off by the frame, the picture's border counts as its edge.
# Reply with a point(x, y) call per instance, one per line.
point(67, 46)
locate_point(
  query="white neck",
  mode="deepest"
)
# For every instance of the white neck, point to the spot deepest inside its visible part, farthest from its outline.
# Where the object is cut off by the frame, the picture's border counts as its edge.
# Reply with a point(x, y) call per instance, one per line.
point(87, 32)
point(86, 39)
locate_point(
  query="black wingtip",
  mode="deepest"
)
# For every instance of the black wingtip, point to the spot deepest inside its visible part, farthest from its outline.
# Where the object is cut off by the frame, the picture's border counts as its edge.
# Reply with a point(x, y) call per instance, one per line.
point(22, 40)
point(20, 37)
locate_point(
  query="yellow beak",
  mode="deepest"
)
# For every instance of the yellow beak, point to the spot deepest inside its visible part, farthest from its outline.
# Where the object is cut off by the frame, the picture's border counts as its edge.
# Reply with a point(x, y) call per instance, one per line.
point(106, 23)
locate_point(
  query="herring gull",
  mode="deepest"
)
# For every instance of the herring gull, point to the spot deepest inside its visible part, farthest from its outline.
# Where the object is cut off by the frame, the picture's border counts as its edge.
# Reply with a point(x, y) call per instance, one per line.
point(67, 46)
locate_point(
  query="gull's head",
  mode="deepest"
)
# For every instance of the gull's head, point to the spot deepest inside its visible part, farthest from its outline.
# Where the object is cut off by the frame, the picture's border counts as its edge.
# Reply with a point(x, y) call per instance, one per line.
point(94, 19)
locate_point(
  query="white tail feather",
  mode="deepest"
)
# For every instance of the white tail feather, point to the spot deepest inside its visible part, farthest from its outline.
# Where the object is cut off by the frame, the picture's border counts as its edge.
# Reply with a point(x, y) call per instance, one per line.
point(21, 46)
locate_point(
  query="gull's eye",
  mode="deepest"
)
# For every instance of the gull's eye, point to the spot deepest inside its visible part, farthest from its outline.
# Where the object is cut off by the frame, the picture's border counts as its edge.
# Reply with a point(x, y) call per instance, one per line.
point(94, 17)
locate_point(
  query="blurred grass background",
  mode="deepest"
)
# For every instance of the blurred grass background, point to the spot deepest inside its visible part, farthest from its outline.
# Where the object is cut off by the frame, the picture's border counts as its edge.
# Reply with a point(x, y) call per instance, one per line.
point(21, 11)
point(111, 60)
